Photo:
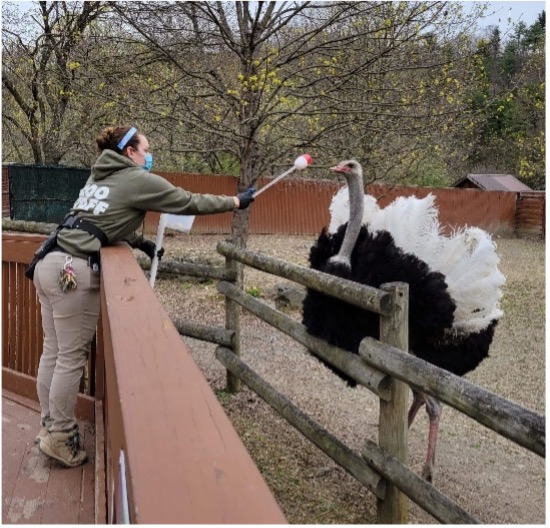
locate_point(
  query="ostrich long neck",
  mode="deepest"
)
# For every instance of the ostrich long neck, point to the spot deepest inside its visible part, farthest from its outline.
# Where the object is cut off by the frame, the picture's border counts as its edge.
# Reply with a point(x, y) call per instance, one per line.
point(356, 206)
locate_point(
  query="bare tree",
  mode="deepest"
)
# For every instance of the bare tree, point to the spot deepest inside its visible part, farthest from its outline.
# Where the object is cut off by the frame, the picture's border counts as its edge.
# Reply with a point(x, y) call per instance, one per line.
point(260, 82)
point(43, 50)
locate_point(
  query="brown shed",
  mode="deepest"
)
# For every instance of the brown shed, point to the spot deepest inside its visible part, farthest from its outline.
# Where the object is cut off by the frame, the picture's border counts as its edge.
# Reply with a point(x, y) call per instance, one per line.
point(492, 182)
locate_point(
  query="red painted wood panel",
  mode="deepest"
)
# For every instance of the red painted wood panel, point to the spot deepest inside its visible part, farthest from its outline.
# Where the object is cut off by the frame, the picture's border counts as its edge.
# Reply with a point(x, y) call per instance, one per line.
point(493, 211)
point(530, 214)
point(300, 206)
point(188, 465)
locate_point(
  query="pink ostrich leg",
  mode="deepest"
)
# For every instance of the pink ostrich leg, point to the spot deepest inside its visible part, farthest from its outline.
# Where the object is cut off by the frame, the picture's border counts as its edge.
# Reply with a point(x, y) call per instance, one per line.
point(433, 408)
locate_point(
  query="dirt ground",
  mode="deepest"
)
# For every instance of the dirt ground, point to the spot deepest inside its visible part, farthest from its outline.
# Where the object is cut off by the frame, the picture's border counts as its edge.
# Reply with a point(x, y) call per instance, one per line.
point(487, 475)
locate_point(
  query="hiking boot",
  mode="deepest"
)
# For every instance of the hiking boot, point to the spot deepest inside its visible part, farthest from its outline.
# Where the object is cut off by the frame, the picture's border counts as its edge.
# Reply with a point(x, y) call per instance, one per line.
point(41, 434)
point(64, 446)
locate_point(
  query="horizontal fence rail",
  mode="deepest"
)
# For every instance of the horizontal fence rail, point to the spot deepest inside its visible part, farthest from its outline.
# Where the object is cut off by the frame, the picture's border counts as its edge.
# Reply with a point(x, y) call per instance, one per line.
point(23, 226)
point(507, 418)
point(352, 292)
point(191, 269)
point(416, 488)
point(329, 444)
point(351, 364)
point(212, 334)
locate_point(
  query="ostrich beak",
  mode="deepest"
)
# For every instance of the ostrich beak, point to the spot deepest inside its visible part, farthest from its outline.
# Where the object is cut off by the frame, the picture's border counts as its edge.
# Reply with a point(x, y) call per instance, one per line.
point(339, 168)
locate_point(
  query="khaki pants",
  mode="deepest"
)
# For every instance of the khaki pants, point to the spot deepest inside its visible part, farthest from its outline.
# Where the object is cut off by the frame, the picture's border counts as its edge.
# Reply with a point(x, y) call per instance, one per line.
point(69, 321)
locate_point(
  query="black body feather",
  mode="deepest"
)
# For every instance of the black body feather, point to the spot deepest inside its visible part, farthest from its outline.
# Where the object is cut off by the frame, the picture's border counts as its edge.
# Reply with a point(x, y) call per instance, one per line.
point(376, 260)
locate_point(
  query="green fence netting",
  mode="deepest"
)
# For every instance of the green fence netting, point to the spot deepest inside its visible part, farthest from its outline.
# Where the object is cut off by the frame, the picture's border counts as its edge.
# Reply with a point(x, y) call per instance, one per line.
point(44, 194)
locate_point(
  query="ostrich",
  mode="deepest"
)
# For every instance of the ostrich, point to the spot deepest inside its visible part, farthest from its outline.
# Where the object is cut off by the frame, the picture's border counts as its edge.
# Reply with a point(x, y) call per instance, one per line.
point(454, 284)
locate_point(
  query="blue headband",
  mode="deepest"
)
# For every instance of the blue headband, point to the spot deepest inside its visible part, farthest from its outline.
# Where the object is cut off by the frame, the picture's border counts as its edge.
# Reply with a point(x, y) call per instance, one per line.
point(126, 138)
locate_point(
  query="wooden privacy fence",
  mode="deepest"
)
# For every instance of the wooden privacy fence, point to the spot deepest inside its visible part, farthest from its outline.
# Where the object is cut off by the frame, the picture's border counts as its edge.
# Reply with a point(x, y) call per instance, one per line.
point(531, 214)
point(300, 206)
point(382, 366)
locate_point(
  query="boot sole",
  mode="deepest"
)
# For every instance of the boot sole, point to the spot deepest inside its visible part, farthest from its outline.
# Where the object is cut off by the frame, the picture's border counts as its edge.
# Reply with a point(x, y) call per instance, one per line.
point(46, 451)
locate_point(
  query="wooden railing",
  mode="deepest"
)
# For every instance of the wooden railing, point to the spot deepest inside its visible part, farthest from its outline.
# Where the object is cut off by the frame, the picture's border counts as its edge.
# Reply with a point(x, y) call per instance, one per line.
point(382, 366)
point(165, 450)
point(172, 455)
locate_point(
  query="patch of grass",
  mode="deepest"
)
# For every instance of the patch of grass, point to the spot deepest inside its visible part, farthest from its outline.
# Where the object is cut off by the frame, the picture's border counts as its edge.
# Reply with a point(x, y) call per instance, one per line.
point(254, 291)
point(224, 397)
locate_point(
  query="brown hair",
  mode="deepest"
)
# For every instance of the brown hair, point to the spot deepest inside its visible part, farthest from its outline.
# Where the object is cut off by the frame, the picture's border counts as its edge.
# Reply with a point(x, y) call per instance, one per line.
point(110, 137)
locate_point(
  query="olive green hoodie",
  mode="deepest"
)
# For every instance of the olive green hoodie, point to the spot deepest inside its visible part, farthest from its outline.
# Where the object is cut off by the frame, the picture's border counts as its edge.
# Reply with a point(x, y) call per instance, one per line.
point(119, 193)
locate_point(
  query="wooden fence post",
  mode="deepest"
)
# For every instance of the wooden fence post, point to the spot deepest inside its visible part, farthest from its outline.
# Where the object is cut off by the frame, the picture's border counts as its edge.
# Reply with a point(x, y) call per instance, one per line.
point(393, 431)
point(232, 323)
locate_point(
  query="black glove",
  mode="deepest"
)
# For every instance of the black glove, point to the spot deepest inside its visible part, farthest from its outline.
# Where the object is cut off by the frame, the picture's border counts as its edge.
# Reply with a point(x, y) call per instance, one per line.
point(246, 197)
point(148, 247)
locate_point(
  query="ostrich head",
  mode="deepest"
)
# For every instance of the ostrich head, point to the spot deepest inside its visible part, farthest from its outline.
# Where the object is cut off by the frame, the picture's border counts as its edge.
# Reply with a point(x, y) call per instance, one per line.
point(349, 168)
point(353, 172)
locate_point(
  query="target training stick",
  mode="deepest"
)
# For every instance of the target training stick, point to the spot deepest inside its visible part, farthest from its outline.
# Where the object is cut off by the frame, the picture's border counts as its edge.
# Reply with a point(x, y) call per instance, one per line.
point(300, 163)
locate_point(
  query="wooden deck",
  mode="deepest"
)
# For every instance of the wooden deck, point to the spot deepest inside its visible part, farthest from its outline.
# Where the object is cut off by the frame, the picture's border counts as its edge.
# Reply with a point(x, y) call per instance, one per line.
point(36, 489)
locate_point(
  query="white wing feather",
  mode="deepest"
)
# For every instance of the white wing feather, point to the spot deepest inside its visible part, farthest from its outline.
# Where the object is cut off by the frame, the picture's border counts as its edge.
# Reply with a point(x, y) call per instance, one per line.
point(467, 258)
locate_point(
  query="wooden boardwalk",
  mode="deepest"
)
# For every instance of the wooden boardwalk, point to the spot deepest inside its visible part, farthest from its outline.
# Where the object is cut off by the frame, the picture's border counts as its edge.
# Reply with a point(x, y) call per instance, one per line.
point(36, 489)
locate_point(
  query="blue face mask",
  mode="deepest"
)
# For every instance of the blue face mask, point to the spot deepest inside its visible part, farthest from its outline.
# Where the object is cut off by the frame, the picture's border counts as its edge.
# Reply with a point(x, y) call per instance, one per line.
point(148, 162)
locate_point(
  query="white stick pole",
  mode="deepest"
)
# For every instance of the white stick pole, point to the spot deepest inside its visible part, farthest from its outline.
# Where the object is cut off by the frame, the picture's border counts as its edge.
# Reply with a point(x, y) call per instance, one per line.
point(273, 182)
point(158, 244)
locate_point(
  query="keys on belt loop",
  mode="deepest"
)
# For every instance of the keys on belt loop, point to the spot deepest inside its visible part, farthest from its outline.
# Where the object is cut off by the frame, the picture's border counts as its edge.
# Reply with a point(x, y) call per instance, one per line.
point(67, 279)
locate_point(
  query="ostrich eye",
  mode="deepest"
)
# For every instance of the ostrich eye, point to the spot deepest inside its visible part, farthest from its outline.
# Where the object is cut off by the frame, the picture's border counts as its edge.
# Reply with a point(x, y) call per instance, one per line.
point(350, 165)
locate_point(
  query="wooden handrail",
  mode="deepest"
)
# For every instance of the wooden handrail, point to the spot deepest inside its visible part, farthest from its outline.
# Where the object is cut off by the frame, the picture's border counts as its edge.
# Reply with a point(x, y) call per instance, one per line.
point(184, 461)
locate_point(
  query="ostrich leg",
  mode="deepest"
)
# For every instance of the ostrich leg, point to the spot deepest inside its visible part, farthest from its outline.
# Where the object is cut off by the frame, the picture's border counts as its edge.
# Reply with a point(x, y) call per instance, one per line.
point(433, 408)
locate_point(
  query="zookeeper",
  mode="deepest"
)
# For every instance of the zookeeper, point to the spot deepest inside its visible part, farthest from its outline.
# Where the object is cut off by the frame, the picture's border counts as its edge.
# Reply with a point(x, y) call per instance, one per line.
point(110, 207)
